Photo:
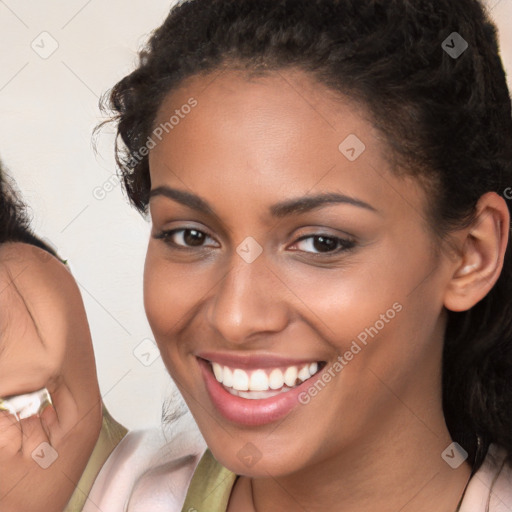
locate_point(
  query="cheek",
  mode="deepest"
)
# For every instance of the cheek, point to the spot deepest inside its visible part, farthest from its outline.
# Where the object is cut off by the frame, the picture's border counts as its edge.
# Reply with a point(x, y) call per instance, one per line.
point(171, 292)
point(381, 303)
point(342, 303)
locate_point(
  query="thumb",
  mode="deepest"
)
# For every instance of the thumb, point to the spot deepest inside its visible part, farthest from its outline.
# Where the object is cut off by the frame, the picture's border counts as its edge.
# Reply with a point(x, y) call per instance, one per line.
point(61, 416)
point(48, 420)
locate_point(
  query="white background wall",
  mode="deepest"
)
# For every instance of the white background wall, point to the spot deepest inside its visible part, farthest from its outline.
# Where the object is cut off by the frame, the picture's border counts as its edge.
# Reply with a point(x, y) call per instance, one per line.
point(48, 108)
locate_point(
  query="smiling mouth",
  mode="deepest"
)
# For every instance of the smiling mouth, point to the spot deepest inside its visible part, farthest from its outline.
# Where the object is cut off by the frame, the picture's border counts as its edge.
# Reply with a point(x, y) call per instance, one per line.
point(264, 383)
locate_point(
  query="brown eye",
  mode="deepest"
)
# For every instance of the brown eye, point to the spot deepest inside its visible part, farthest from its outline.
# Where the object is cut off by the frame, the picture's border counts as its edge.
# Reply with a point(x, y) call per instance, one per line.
point(183, 238)
point(193, 237)
point(322, 244)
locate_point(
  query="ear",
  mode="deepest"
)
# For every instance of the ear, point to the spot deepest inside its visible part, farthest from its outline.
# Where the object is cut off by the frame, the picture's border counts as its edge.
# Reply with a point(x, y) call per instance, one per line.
point(483, 249)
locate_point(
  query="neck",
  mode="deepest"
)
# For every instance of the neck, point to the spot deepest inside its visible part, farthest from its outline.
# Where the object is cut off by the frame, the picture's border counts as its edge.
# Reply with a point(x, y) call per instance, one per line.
point(395, 466)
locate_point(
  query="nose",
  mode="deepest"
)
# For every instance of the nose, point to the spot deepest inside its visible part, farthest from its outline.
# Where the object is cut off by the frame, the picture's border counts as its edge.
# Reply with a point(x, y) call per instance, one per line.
point(250, 301)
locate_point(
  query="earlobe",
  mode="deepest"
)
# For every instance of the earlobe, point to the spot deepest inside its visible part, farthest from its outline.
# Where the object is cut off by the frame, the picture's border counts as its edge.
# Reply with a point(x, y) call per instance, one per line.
point(483, 249)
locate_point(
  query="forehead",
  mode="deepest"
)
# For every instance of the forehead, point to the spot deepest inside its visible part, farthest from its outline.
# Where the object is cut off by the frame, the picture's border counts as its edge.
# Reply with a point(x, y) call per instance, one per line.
point(277, 135)
point(258, 112)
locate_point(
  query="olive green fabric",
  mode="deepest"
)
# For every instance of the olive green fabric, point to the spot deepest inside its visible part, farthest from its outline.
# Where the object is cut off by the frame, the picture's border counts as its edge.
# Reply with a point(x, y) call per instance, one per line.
point(210, 487)
point(111, 434)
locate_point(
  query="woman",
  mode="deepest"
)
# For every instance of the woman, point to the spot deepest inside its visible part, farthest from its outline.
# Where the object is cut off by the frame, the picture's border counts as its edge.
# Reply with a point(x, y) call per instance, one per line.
point(49, 456)
point(328, 278)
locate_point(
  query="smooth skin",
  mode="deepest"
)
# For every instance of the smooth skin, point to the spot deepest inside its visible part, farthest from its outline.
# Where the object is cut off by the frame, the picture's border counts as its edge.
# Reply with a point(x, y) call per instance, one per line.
point(44, 342)
point(373, 438)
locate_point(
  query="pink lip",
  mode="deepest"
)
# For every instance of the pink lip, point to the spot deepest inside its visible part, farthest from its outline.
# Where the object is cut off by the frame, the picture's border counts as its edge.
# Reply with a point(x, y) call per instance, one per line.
point(245, 411)
point(253, 361)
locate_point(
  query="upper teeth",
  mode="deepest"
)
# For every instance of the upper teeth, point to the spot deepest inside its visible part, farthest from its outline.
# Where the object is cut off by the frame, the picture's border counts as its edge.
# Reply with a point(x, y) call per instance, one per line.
point(262, 380)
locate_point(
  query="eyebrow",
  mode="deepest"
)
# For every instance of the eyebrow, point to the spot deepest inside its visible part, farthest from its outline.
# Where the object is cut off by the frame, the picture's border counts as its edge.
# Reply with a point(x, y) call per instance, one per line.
point(282, 209)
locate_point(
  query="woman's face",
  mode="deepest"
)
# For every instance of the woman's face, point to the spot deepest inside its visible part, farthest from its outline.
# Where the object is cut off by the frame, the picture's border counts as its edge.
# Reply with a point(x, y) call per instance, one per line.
point(251, 269)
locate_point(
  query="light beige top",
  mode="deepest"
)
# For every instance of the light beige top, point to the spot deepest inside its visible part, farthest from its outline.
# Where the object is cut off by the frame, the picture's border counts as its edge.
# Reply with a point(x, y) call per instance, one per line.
point(111, 434)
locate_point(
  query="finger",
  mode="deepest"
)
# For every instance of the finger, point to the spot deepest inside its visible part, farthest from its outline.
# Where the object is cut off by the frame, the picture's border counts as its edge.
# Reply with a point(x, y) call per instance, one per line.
point(10, 435)
point(33, 435)
point(52, 422)
point(49, 421)
point(64, 416)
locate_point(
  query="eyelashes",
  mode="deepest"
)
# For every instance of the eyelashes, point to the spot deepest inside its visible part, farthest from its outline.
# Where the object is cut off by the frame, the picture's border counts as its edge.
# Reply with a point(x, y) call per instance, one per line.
point(195, 237)
point(167, 237)
point(340, 244)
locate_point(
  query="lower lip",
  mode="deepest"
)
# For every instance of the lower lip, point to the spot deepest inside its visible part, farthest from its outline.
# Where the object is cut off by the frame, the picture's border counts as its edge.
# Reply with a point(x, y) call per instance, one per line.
point(245, 411)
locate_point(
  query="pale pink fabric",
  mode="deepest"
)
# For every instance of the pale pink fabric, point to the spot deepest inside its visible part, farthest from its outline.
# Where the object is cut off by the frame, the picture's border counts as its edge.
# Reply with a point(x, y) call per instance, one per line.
point(490, 489)
point(147, 472)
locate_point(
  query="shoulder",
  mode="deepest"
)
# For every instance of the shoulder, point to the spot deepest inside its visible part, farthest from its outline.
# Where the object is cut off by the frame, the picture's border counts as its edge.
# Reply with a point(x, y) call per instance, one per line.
point(501, 489)
point(148, 471)
point(490, 489)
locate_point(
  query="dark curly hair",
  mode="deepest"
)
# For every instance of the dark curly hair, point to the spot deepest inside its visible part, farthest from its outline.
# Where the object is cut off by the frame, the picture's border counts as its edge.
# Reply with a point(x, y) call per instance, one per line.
point(14, 221)
point(446, 119)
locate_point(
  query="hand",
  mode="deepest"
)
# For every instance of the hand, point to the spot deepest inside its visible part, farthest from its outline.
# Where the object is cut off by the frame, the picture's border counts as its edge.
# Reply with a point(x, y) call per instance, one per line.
point(44, 342)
